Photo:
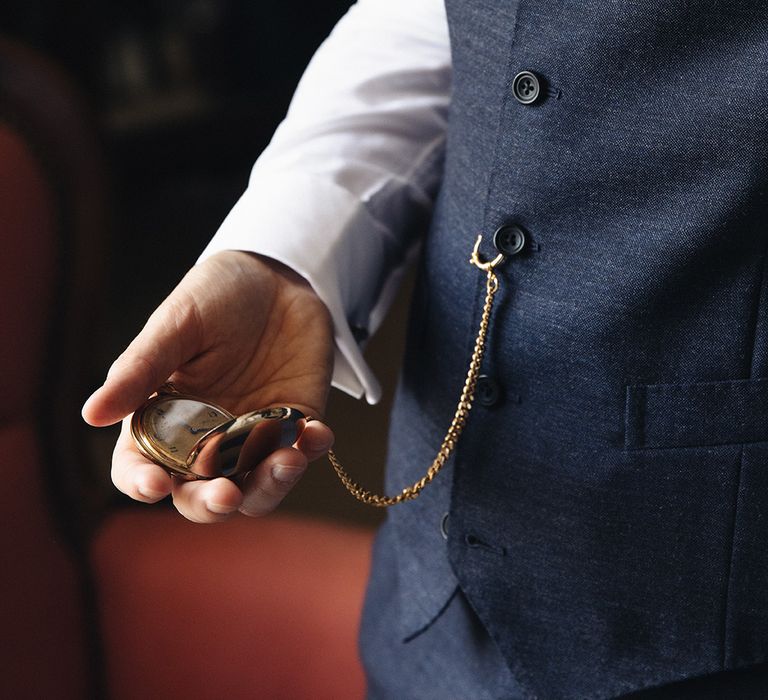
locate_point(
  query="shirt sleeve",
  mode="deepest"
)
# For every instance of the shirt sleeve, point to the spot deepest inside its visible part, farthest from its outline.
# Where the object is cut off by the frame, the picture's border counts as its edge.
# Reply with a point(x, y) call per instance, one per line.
point(346, 186)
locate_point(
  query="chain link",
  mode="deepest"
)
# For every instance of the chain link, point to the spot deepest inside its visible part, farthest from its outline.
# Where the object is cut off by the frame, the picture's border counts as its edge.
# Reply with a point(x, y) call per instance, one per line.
point(462, 410)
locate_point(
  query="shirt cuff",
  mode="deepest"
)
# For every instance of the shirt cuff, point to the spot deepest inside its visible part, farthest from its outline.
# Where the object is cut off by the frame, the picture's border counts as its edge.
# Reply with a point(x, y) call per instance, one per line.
point(333, 242)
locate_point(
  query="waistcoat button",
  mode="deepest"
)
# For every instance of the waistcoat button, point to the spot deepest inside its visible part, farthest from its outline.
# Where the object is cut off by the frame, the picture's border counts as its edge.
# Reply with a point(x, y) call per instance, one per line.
point(526, 87)
point(444, 526)
point(487, 391)
point(509, 239)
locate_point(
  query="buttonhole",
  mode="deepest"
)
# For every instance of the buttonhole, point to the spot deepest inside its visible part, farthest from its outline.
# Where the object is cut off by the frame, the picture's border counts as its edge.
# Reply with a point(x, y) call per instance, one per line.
point(476, 543)
point(556, 93)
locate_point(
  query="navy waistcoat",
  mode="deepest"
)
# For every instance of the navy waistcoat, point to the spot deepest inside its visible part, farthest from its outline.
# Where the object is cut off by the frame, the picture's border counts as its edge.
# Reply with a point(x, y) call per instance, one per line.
point(609, 511)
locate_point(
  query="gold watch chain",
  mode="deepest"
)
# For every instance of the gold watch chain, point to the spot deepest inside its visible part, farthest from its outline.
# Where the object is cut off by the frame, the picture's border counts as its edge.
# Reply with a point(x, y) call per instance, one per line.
point(462, 410)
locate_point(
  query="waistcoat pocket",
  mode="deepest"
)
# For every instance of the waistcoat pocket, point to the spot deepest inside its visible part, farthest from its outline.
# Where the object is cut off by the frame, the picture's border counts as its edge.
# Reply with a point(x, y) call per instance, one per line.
point(695, 415)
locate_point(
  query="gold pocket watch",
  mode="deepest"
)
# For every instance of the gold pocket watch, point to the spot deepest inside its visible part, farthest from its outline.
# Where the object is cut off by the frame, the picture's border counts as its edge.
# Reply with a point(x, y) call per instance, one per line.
point(196, 439)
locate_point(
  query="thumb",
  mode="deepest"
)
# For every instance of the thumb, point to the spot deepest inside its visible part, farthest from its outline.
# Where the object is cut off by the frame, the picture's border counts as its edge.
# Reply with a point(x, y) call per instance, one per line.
point(170, 338)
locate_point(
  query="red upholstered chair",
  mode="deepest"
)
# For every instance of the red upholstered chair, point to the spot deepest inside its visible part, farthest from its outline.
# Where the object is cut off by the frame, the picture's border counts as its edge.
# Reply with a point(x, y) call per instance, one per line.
point(46, 172)
point(132, 602)
point(40, 610)
point(245, 609)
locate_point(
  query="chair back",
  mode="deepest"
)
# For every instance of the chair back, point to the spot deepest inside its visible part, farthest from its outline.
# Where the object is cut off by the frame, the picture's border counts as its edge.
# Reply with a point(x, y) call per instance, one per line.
point(51, 223)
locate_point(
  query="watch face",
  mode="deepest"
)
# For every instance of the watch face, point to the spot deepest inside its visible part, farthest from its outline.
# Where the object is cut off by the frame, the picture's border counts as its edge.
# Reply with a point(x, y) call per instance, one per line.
point(175, 425)
point(194, 439)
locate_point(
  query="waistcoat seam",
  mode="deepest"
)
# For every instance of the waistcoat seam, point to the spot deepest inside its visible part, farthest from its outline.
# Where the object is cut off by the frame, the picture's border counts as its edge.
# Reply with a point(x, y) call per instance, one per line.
point(755, 319)
point(515, 666)
point(727, 645)
point(479, 285)
point(725, 642)
point(502, 112)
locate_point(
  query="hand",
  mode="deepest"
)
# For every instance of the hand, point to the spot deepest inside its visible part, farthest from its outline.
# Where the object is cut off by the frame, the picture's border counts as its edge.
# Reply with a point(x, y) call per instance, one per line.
point(246, 333)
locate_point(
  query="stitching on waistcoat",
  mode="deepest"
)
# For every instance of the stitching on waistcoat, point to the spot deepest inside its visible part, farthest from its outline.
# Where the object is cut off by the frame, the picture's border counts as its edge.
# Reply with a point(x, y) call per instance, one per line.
point(508, 79)
point(696, 445)
point(520, 672)
point(755, 317)
point(435, 617)
point(634, 417)
point(726, 650)
point(500, 121)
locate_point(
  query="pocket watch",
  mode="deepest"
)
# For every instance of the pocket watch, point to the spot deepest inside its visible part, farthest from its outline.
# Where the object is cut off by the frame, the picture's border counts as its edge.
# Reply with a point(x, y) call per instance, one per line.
point(194, 439)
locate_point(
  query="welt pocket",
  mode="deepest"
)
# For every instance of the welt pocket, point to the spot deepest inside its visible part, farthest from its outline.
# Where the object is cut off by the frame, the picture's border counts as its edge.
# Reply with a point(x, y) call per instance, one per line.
point(696, 415)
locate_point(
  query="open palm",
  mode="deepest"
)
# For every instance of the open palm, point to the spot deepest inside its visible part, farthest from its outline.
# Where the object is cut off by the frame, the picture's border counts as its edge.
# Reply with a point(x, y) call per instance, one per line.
point(245, 333)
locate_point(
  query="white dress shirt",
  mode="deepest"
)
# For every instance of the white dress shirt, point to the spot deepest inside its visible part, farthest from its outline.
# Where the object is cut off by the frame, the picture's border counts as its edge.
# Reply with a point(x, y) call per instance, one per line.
point(343, 190)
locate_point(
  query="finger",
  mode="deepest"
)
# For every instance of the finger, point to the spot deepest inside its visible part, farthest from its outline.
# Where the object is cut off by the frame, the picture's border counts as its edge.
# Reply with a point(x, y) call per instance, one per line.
point(315, 440)
point(168, 340)
point(206, 501)
point(271, 481)
point(133, 474)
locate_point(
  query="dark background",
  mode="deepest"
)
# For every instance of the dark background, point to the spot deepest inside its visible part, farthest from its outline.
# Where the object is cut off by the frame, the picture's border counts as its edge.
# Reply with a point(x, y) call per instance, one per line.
point(184, 95)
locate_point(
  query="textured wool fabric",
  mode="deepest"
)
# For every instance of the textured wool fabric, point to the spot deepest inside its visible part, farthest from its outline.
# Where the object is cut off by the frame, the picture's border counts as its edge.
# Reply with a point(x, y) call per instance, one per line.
point(608, 515)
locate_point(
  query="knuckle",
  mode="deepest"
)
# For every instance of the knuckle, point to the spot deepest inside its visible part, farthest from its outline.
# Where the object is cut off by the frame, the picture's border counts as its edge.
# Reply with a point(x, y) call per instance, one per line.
point(266, 492)
point(260, 501)
point(254, 512)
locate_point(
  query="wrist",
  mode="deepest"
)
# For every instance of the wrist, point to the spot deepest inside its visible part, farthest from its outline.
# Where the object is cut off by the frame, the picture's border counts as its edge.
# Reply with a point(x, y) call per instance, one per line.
point(287, 285)
point(250, 263)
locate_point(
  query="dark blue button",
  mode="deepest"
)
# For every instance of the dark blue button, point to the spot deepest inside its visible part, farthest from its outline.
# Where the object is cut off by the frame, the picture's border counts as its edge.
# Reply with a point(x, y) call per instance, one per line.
point(487, 391)
point(509, 239)
point(526, 87)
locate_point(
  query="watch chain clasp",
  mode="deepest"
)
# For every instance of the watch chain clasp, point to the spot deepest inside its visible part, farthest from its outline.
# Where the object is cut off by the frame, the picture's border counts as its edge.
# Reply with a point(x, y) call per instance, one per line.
point(487, 265)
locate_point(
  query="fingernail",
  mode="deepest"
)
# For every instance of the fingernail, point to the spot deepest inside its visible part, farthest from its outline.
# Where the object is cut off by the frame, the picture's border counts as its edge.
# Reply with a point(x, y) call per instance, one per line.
point(220, 508)
point(286, 475)
point(320, 445)
point(150, 493)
